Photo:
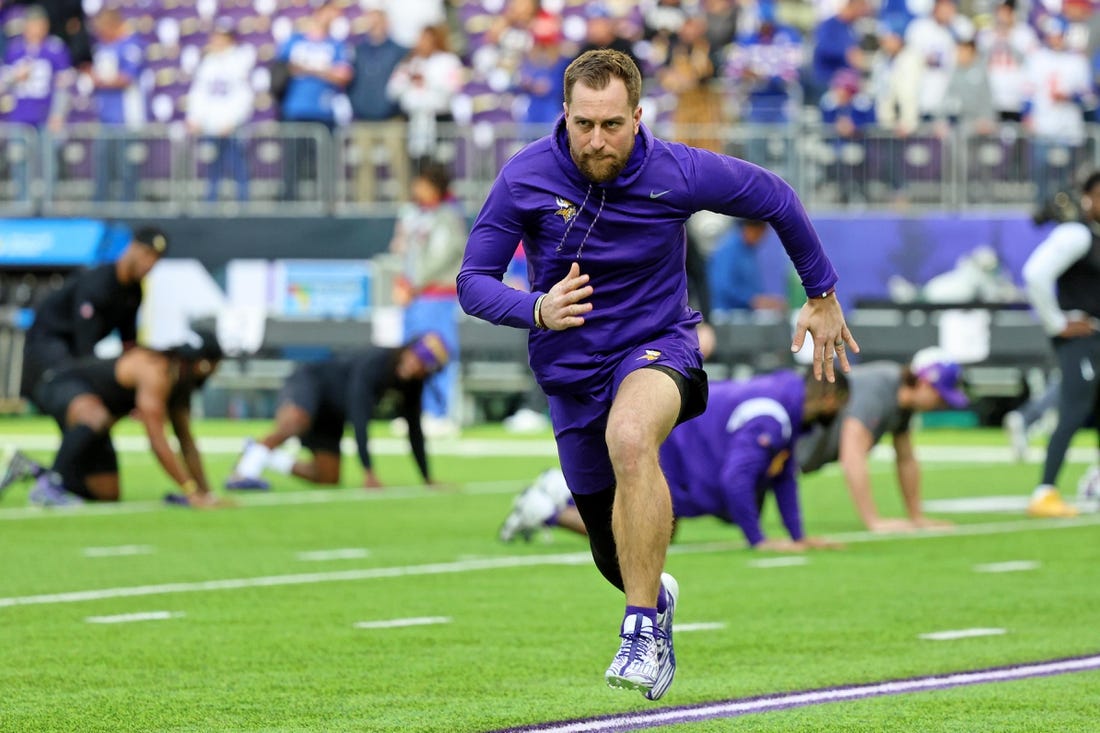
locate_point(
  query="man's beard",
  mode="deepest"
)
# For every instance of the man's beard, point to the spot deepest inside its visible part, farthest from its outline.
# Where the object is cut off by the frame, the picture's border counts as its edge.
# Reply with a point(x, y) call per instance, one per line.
point(601, 168)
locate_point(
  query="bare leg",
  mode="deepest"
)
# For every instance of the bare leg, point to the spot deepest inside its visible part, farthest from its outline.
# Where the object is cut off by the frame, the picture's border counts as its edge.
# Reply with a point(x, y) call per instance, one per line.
point(323, 469)
point(290, 421)
point(103, 486)
point(642, 415)
point(569, 518)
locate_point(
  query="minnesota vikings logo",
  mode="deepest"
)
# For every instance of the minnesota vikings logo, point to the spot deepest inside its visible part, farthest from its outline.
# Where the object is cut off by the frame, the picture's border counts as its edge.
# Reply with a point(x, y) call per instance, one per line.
point(650, 355)
point(566, 209)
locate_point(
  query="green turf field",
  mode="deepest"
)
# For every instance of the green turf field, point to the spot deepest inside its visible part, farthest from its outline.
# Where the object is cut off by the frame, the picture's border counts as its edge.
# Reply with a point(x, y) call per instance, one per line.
point(275, 646)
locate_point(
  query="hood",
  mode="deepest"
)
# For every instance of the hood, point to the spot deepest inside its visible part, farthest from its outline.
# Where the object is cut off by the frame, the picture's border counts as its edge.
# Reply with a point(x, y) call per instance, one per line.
point(639, 157)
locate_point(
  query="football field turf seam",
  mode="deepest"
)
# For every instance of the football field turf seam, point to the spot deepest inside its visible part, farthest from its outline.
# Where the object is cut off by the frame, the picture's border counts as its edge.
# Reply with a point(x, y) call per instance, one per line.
point(497, 563)
point(784, 701)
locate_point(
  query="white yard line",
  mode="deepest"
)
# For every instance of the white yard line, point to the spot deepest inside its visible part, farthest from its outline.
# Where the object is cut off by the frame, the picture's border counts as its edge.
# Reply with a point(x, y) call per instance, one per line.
point(701, 626)
point(1012, 566)
point(1012, 504)
point(346, 553)
point(398, 623)
point(778, 562)
point(378, 446)
point(127, 618)
point(545, 447)
point(274, 498)
point(118, 551)
point(954, 634)
point(966, 530)
point(499, 563)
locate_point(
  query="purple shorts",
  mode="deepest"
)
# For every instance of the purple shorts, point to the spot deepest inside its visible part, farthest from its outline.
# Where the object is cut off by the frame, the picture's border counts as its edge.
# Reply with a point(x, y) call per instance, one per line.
point(580, 420)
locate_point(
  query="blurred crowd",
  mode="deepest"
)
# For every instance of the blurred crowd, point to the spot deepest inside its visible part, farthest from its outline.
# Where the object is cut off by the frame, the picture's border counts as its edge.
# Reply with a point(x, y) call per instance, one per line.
point(897, 69)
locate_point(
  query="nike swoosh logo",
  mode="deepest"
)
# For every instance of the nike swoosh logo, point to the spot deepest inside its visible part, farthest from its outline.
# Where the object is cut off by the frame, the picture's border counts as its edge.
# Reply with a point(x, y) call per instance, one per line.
point(658, 194)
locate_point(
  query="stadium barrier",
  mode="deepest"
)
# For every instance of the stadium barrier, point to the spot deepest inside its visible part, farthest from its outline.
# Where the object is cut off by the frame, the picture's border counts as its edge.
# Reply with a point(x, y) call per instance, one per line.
point(266, 169)
point(280, 169)
point(19, 171)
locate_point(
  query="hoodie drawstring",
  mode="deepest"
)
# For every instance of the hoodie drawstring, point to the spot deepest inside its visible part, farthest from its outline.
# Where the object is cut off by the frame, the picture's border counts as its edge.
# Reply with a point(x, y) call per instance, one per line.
point(596, 218)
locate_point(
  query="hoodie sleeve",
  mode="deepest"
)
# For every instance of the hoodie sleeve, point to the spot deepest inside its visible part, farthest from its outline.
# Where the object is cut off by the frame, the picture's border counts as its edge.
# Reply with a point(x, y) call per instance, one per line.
point(749, 453)
point(494, 236)
point(735, 187)
point(785, 488)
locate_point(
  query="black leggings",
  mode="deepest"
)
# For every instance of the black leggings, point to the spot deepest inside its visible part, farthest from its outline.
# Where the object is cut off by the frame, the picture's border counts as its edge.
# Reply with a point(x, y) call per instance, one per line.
point(1079, 400)
point(595, 510)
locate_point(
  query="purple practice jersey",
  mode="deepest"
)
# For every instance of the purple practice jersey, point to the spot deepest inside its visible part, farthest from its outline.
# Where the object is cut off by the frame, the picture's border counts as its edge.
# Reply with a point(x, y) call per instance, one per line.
point(34, 93)
point(721, 463)
point(627, 235)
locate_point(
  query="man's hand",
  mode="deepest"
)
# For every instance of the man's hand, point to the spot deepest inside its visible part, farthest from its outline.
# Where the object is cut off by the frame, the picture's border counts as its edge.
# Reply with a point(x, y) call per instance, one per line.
point(824, 320)
point(371, 480)
point(562, 307)
point(207, 500)
point(403, 292)
point(1076, 329)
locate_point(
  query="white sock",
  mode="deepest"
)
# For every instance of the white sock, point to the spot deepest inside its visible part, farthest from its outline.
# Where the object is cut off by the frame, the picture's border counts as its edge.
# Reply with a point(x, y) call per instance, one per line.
point(1040, 491)
point(281, 461)
point(252, 462)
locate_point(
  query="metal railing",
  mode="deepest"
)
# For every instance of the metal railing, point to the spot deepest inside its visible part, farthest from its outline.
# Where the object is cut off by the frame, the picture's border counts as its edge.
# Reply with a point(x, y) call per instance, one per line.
point(19, 168)
point(304, 169)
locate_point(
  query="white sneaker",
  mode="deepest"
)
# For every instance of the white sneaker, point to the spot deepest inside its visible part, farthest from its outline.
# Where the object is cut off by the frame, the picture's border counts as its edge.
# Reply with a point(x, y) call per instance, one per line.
point(1016, 428)
point(552, 483)
point(530, 511)
point(1088, 491)
point(438, 427)
point(635, 665)
point(666, 657)
point(399, 426)
point(17, 467)
point(525, 420)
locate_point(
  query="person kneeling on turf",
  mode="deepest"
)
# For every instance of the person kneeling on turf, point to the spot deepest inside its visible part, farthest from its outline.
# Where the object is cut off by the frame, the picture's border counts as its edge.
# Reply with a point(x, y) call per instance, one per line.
point(722, 464)
point(318, 398)
point(89, 396)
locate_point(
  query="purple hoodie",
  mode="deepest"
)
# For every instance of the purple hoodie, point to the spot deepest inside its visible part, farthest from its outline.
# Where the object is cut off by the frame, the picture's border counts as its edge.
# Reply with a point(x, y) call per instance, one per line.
point(628, 236)
point(717, 464)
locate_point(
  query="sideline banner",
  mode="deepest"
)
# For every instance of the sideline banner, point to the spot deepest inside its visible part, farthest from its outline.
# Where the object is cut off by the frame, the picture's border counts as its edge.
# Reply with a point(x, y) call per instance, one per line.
point(50, 242)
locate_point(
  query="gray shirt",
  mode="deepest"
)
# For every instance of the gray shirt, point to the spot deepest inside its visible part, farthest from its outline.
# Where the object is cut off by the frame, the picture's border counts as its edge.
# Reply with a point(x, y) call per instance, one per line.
point(873, 401)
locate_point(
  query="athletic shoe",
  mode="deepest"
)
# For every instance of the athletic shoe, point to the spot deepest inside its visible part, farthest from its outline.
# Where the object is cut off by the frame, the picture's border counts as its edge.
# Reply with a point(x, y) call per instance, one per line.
point(241, 483)
point(1047, 502)
point(526, 420)
point(48, 491)
point(635, 666)
point(19, 468)
point(436, 426)
point(530, 511)
point(1016, 428)
point(1088, 491)
point(666, 656)
point(176, 499)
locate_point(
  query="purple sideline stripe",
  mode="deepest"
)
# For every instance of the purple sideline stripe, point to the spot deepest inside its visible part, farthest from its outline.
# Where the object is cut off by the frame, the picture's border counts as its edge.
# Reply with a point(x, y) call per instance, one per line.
point(768, 703)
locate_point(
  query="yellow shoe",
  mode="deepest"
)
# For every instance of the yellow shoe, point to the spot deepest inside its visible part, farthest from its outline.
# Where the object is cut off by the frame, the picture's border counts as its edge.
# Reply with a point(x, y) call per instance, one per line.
point(1049, 503)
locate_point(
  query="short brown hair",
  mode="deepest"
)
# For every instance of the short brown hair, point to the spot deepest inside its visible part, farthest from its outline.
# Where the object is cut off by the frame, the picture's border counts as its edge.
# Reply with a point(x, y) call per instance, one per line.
point(596, 69)
point(820, 388)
